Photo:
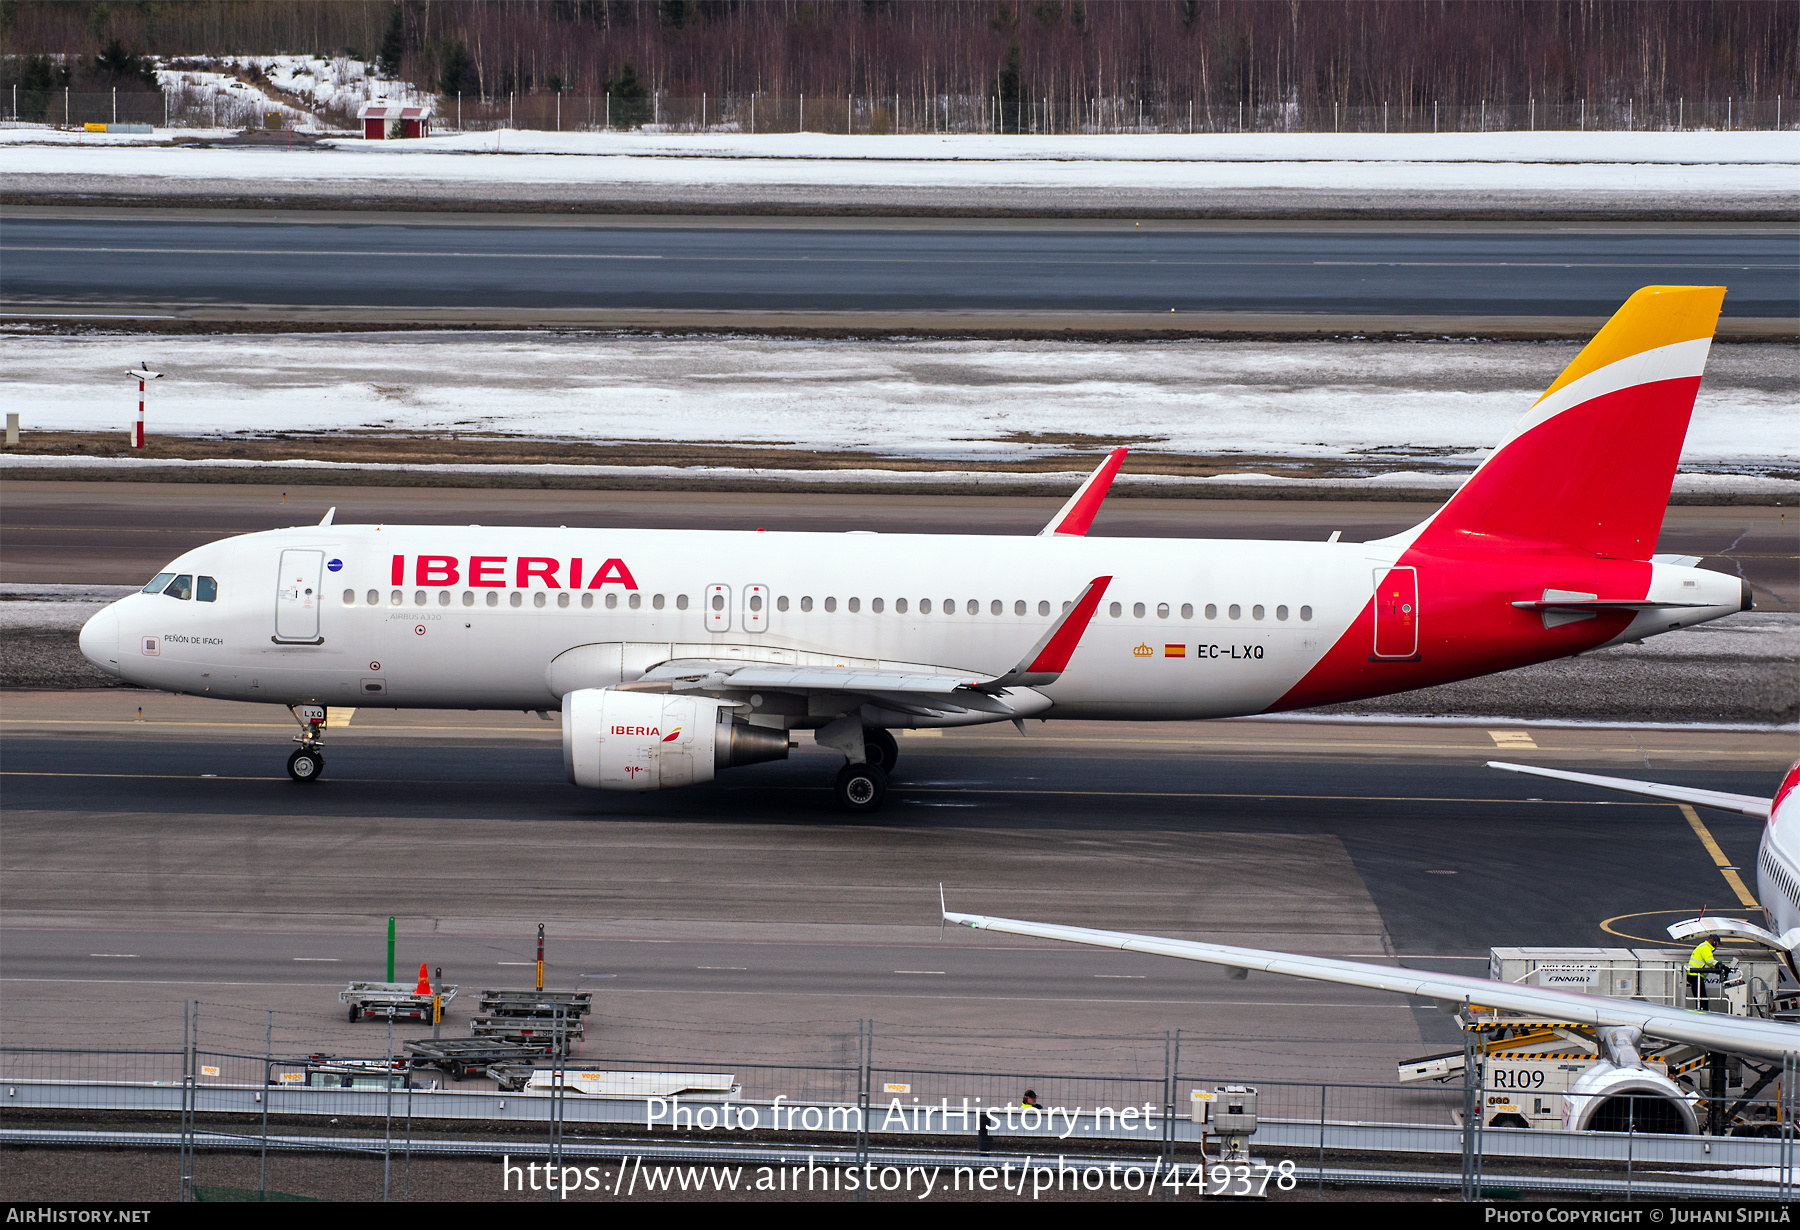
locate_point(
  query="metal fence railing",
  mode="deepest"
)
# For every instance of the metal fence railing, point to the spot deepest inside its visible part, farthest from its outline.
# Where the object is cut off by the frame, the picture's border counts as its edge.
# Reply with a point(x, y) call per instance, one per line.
point(188, 106)
point(237, 1116)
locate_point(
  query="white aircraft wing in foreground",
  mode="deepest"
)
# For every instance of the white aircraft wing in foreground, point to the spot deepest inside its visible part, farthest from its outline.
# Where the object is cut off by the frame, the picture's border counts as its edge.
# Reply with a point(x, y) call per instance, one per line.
point(1748, 804)
point(1713, 1031)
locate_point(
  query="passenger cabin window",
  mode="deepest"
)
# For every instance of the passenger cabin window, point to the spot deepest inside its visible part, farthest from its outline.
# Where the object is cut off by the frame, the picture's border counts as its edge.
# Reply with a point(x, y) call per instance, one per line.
point(207, 590)
point(158, 583)
point(181, 587)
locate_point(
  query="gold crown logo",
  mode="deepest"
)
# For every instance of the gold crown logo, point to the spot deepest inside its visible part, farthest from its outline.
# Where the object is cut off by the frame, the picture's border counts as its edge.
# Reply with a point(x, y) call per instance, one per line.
point(1143, 651)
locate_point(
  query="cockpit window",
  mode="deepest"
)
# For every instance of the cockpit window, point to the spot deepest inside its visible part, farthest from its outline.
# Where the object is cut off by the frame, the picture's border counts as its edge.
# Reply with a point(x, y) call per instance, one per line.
point(206, 589)
point(181, 587)
point(158, 583)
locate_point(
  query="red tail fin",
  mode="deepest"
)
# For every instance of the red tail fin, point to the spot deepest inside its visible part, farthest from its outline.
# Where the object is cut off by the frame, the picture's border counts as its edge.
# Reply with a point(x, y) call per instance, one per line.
point(1591, 464)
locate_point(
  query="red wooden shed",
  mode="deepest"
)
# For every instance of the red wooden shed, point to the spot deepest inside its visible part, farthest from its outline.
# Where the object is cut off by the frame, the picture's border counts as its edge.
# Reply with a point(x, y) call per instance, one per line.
point(411, 119)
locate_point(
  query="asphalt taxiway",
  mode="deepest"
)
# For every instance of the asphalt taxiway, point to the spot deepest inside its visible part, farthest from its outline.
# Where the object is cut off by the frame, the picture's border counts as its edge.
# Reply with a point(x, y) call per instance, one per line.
point(150, 862)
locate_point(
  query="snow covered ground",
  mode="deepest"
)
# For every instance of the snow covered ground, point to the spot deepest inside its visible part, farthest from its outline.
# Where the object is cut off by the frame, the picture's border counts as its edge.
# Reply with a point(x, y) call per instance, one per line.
point(1610, 164)
point(1378, 407)
point(227, 92)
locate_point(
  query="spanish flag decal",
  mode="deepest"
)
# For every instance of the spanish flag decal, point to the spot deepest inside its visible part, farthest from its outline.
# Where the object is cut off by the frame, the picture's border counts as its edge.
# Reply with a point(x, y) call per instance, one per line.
point(1174, 651)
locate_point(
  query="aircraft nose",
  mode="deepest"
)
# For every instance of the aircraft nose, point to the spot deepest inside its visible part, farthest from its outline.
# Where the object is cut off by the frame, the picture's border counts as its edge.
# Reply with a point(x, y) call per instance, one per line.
point(100, 640)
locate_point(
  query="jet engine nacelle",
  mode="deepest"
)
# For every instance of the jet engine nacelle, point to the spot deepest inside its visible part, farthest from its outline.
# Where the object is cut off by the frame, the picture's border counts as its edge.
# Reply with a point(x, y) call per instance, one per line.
point(616, 740)
point(1607, 1098)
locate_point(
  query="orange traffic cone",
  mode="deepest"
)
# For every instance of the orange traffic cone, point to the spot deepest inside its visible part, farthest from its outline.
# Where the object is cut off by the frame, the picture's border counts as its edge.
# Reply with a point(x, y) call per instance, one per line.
point(424, 987)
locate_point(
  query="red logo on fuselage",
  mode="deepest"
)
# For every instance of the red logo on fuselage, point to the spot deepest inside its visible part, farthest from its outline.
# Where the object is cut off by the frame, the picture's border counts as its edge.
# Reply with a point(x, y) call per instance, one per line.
point(498, 571)
point(636, 730)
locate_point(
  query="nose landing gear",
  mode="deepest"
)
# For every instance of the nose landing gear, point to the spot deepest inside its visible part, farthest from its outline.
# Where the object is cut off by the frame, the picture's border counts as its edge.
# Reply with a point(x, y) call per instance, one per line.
point(308, 763)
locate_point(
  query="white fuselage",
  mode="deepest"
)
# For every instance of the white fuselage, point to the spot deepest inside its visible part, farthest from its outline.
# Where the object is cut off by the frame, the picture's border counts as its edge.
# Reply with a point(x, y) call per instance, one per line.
point(472, 617)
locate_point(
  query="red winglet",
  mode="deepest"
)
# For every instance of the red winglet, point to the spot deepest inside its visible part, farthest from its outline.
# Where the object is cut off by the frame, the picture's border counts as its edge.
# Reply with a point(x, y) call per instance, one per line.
point(1074, 518)
point(1054, 653)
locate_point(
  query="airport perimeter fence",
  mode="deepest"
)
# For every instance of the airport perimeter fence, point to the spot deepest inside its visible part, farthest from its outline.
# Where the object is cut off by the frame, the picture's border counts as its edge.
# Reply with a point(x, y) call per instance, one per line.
point(236, 1120)
point(183, 106)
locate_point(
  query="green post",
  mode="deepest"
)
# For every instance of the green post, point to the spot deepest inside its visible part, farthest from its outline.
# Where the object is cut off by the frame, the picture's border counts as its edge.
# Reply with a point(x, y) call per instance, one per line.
point(390, 976)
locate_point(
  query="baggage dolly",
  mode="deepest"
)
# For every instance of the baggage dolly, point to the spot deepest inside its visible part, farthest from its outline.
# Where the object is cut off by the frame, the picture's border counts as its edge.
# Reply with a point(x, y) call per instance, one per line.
point(379, 999)
point(465, 1057)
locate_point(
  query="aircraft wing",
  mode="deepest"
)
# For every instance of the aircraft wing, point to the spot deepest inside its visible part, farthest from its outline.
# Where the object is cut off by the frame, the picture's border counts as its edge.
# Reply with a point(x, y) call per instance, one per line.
point(914, 689)
point(1711, 1030)
point(1747, 804)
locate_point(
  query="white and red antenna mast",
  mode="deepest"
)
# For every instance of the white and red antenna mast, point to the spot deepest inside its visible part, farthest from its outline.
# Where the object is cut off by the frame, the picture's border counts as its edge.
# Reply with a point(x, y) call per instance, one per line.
point(141, 373)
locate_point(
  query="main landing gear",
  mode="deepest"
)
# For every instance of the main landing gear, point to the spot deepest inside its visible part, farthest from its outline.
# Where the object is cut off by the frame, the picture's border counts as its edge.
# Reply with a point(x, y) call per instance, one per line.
point(308, 763)
point(880, 749)
point(862, 787)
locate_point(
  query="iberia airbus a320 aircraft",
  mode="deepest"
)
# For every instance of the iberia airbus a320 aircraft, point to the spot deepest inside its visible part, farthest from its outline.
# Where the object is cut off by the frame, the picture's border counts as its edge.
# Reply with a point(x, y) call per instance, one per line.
point(677, 653)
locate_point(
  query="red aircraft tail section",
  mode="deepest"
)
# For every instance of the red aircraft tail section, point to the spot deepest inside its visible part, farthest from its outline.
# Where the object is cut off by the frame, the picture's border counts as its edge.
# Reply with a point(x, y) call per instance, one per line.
point(1590, 466)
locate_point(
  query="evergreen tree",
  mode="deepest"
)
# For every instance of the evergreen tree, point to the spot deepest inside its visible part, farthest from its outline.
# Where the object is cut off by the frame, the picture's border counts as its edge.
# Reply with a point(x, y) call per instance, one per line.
point(459, 75)
point(120, 67)
point(1011, 92)
point(393, 45)
point(630, 100)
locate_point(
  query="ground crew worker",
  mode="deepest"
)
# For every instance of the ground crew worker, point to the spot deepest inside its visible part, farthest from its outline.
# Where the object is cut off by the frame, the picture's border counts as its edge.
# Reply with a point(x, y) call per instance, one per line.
point(1029, 1101)
point(1701, 963)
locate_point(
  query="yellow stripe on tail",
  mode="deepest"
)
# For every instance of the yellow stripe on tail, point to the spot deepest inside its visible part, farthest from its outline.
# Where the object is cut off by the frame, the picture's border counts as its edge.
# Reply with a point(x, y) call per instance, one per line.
point(1655, 316)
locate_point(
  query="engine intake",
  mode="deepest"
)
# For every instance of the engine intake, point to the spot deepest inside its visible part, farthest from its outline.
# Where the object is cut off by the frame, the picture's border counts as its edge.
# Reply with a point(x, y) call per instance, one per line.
point(615, 740)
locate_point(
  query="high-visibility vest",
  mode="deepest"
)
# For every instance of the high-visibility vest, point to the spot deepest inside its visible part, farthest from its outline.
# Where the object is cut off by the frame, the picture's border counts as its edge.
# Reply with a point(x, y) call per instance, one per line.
point(1702, 958)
